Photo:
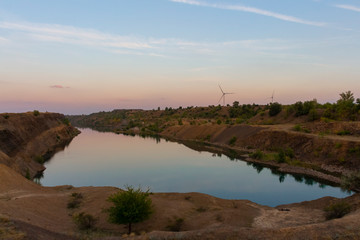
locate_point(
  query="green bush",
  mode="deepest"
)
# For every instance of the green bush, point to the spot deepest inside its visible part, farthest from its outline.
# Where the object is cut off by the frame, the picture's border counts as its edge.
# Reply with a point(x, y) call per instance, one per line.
point(343, 133)
point(130, 206)
point(257, 155)
point(232, 141)
point(84, 221)
point(6, 116)
point(281, 157)
point(337, 210)
point(36, 113)
point(297, 128)
point(75, 200)
point(66, 121)
point(218, 122)
point(275, 109)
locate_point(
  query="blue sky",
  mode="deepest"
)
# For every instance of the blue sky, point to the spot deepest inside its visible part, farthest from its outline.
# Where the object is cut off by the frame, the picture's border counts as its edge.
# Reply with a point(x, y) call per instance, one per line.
point(86, 56)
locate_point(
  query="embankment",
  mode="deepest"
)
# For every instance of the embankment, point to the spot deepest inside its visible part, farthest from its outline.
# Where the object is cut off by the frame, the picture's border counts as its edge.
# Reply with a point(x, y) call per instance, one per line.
point(27, 140)
point(330, 153)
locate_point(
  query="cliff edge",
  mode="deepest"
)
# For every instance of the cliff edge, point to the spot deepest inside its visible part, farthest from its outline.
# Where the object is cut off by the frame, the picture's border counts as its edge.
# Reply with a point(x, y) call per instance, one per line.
point(27, 140)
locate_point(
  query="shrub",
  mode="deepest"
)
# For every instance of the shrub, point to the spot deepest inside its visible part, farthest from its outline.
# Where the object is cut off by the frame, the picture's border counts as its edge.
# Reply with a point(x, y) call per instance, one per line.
point(176, 226)
point(289, 152)
point(351, 182)
point(36, 113)
point(27, 174)
point(66, 121)
point(84, 221)
point(232, 141)
point(275, 109)
point(297, 128)
point(75, 200)
point(281, 157)
point(6, 116)
point(343, 133)
point(130, 206)
point(39, 159)
point(257, 155)
point(218, 122)
point(337, 210)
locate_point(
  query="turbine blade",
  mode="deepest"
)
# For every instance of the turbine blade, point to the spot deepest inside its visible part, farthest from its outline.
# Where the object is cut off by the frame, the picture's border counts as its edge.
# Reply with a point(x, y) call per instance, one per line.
point(221, 89)
point(221, 98)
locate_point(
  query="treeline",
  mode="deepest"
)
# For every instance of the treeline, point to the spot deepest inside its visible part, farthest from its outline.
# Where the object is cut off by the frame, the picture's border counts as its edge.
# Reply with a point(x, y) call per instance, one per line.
point(346, 108)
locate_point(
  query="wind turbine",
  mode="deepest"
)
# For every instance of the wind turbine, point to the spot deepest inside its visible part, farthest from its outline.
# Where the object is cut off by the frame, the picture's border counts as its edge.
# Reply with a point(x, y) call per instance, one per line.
point(223, 95)
point(272, 97)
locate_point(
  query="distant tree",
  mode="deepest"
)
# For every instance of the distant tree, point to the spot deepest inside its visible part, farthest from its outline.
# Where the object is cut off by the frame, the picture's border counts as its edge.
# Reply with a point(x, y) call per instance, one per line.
point(275, 109)
point(130, 206)
point(235, 104)
point(347, 97)
point(345, 106)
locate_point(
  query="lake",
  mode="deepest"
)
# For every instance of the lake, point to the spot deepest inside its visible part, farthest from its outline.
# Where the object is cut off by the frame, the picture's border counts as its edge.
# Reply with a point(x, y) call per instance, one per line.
point(107, 159)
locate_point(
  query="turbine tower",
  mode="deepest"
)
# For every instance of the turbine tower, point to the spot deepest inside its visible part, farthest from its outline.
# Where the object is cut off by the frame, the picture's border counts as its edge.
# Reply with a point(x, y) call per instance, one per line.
point(272, 97)
point(223, 95)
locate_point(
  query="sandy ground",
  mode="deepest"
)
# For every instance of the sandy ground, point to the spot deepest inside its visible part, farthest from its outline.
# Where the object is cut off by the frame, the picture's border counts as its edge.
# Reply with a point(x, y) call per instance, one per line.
point(41, 213)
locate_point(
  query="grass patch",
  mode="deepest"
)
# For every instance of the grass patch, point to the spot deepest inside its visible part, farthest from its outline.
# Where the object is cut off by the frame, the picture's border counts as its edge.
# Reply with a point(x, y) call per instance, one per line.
point(258, 154)
point(343, 133)
point(337, 210)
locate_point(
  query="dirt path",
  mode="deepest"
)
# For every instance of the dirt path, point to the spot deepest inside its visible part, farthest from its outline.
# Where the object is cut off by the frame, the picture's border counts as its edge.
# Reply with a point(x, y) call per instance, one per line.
point(289, 128)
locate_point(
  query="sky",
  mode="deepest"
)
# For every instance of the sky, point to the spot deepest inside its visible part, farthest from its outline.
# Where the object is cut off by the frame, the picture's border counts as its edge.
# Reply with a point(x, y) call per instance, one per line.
point(84, 56)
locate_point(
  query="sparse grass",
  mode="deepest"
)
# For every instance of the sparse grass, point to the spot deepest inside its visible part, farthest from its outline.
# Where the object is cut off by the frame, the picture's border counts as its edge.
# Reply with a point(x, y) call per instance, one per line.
point(337, 210)
point(299, 128)
point(338, 145)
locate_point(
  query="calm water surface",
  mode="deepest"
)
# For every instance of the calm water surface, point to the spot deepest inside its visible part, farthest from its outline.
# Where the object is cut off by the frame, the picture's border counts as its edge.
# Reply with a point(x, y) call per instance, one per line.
point(106, 159)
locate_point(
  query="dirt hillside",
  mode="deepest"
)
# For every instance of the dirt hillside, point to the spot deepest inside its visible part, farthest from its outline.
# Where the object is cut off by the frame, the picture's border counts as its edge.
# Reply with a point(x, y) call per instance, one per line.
point(28, 139)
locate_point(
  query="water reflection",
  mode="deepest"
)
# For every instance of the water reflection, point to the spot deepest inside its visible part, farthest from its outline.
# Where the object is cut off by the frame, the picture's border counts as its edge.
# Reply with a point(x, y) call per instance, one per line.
point(107, 159)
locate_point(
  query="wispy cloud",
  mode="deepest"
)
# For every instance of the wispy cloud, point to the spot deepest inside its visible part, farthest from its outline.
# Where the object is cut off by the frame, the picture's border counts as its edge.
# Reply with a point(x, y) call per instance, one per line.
point(349, 7)
point(69, 34)
point(251, 10)
point(58, 86)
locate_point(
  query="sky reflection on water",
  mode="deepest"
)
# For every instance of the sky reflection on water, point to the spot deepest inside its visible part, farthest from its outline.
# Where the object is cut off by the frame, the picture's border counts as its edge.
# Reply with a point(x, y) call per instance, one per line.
point(106, 159)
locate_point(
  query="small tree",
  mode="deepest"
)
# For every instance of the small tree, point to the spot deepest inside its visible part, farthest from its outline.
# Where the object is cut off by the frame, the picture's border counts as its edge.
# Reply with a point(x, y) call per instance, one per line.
point(275, 109)
point(130, 206)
